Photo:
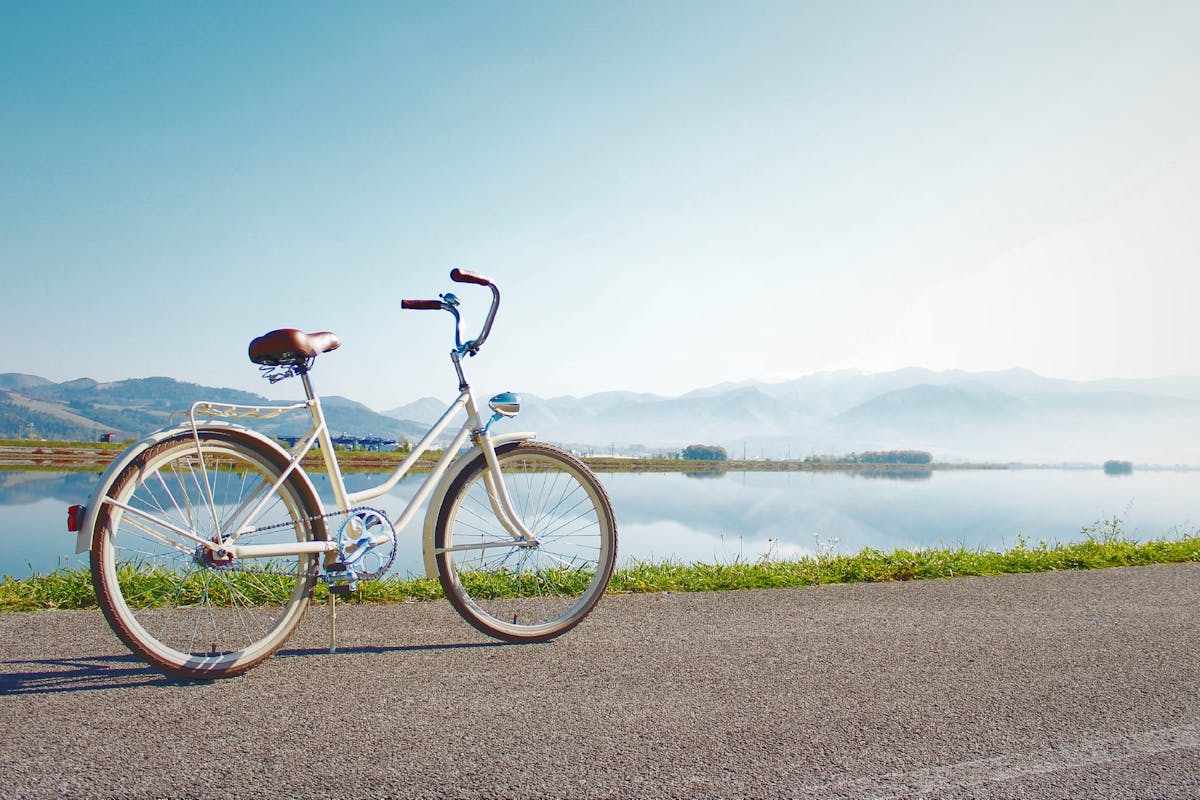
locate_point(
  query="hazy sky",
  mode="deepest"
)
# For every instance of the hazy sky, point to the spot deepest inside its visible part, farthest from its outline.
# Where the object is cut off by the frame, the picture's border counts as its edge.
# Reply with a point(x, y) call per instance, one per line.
point(669, 194)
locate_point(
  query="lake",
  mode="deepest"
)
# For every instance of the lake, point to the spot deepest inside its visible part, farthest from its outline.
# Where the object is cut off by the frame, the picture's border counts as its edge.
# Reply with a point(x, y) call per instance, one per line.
point(742, 515)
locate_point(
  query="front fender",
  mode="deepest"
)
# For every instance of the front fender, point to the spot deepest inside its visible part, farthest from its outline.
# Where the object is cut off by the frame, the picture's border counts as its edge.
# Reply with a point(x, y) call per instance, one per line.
point(439, 496)
point(83, 539)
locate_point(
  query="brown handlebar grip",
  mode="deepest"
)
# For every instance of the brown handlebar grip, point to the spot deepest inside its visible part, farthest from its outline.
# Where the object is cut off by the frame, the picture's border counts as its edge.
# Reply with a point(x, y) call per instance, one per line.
point(430, 305)
point(465, 276)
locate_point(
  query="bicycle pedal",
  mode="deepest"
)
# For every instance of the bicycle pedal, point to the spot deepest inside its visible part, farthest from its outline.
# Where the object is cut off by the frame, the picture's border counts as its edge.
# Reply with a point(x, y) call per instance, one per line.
point(343, 589)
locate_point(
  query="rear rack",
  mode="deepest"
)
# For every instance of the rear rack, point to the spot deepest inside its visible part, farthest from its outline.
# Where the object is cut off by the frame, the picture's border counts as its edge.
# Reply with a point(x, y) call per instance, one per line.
point(205, 408)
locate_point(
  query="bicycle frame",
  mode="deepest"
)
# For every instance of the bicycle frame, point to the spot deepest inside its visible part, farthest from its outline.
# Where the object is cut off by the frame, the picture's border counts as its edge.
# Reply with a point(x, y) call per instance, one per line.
point(318, 434)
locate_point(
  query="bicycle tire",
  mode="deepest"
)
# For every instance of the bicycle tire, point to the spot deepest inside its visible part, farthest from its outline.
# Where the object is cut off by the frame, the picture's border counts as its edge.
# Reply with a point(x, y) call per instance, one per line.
point(517, 593)
point(180, 609)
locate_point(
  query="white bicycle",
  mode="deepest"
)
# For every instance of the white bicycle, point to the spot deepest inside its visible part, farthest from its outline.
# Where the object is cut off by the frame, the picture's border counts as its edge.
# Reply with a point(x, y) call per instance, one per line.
point(208, 538)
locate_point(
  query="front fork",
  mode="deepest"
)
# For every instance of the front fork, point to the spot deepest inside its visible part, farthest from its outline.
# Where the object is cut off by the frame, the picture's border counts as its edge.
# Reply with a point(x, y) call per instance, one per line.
point(506, 404)
point(498, 497)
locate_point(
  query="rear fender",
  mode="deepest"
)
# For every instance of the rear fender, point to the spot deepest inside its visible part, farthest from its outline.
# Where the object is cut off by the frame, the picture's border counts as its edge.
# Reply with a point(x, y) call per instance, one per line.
point(83, 539)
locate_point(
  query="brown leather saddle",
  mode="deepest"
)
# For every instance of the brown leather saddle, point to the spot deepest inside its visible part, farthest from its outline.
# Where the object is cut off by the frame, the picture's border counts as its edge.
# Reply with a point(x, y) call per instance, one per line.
point(291, 348)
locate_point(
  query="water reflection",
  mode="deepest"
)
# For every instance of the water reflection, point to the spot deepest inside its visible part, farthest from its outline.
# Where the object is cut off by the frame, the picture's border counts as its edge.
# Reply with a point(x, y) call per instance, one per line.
point(732, 516)
point(894, 474)
point(750, 515)
point(21, 487)
point(899, 474)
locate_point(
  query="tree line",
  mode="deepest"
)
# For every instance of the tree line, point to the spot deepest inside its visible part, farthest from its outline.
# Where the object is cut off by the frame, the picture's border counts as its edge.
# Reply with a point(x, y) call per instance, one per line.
point(710, 452)
point(875, 457)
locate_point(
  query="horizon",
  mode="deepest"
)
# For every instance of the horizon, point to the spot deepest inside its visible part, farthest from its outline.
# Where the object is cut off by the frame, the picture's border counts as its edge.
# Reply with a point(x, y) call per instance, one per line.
point(669, 196)
point(730, 384)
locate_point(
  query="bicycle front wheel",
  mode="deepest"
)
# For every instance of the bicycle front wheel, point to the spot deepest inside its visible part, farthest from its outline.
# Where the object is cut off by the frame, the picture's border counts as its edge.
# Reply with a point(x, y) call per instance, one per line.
point(512, 590)
point(187, 609)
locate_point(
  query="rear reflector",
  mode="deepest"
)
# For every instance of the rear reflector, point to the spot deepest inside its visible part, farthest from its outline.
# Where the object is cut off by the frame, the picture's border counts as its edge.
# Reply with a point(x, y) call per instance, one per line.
point(75, 518)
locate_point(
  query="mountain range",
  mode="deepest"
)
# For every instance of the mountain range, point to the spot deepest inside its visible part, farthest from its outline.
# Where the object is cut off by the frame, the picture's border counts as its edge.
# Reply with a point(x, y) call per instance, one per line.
point(84, 409)
point(1013, 415)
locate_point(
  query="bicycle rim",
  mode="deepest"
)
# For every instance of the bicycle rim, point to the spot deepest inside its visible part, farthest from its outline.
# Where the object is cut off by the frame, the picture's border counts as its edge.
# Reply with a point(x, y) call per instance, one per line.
point(175, 604)
point(527, 593)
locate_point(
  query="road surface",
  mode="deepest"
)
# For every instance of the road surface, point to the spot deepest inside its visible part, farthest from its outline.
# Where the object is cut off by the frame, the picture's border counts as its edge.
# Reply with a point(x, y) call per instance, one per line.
point(1077, 684)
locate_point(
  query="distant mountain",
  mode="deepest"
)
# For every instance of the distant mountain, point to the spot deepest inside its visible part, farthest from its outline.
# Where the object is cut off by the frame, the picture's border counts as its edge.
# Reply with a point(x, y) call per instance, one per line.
point(82, 409)
point(427, 409)
point(1013, 415)
point(956, 406)
point(347, 417)
point(15, 380)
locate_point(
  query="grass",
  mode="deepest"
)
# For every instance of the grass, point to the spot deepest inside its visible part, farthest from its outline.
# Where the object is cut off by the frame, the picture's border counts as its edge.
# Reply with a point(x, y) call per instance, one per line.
point(1103, 545)
point(874, 566)
point(72, 589)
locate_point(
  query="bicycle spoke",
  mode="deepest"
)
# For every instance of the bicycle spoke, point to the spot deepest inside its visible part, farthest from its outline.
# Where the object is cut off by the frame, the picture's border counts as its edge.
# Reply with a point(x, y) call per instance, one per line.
point(188, 609)
point(527, 592)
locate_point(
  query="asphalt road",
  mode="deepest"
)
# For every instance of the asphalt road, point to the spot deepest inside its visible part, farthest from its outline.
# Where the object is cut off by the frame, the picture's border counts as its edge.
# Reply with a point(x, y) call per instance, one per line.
point(1059, 685)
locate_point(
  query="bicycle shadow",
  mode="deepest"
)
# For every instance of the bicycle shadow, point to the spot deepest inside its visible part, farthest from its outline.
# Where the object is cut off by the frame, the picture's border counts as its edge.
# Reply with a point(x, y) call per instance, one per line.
point(82, 674)
point(105, 673)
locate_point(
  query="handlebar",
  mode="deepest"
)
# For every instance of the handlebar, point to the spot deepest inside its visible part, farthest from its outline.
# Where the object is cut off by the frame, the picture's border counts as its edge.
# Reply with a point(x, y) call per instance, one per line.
point(430, 305)
point(449, 302)
point(465, 276)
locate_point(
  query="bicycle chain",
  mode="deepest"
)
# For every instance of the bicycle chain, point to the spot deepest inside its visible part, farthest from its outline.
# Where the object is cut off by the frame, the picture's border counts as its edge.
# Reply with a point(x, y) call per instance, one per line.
point(309, 519)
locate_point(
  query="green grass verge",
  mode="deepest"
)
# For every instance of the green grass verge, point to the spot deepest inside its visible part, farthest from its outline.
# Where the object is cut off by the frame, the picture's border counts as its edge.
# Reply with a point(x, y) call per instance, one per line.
point(72, 589)
point(874, 566)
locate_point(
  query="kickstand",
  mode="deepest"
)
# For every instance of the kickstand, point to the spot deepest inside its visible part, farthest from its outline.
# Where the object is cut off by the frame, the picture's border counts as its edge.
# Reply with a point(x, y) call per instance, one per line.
point(332, 622)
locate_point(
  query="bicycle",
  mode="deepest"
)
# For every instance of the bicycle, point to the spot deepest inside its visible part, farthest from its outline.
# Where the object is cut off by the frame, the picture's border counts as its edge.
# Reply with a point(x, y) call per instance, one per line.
point(208, 538)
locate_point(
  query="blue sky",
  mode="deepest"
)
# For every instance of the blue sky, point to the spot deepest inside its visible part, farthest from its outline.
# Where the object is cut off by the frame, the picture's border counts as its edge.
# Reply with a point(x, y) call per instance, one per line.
point(670, 195)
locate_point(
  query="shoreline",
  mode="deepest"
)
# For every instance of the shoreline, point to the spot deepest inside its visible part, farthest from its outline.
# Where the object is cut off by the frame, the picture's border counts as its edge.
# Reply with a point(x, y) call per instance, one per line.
point(89, 456)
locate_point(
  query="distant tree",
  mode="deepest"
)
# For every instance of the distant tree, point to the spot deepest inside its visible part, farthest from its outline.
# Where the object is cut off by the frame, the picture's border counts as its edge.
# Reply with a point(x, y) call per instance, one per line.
point(896, 457)
point(705, 452)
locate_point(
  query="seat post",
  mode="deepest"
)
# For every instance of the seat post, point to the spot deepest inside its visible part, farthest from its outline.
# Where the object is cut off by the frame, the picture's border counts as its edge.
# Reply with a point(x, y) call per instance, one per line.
point(308, 388)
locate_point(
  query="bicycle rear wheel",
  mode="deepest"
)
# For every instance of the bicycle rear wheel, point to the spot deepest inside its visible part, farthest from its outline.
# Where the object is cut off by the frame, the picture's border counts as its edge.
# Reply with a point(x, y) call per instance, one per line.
point(178, 605)
point(512, 591)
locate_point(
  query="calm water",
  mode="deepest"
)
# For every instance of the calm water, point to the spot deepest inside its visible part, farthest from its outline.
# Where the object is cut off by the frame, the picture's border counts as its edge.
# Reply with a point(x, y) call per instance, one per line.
point(742, 515)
